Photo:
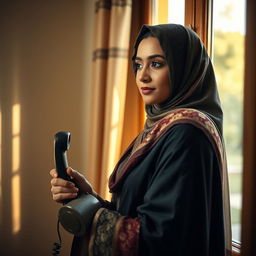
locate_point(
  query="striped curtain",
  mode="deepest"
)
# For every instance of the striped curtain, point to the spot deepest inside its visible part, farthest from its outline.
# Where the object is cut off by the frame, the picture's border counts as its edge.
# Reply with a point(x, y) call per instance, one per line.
point(109, 88)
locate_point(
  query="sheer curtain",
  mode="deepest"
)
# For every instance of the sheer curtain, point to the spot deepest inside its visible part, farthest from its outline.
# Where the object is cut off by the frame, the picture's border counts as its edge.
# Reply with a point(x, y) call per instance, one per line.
point(115, 106)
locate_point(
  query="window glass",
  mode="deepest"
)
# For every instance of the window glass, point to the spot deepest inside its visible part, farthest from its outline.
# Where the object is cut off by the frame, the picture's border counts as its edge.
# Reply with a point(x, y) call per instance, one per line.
point(228, 59)
point(168, 11)
point(176, 11)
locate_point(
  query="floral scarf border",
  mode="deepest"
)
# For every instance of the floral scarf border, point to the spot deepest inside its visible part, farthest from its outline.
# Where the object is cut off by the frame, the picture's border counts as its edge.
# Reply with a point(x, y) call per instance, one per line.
point(113, 234)
point(184, 115)
point(177, 116)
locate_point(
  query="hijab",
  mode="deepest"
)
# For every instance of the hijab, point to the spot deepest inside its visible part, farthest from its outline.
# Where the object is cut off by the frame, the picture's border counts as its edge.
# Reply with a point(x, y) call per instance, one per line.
point(191, 73)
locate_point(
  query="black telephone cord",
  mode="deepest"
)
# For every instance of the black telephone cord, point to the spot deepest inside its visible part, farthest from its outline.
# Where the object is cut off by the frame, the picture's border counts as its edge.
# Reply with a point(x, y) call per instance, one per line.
point(57, 246)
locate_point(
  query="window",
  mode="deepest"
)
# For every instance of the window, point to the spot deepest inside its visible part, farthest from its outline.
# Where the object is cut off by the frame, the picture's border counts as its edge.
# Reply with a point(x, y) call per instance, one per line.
point(168, 11)
point(228, 60)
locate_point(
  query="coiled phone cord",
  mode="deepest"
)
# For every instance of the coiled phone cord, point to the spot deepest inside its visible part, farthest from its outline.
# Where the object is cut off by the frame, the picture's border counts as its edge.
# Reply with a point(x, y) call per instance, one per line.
point(57, 246)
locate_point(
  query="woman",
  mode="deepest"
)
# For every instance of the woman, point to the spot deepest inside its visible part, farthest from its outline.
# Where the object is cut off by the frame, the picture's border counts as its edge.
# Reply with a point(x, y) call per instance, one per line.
point(170, 193)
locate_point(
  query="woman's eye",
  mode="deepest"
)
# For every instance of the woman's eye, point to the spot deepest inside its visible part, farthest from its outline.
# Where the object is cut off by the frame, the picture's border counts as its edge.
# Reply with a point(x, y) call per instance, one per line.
point(156, 64)
point(138, 66)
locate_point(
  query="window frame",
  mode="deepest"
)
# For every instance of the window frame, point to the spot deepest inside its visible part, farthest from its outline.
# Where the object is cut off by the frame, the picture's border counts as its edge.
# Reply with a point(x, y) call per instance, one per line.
point(198, 16)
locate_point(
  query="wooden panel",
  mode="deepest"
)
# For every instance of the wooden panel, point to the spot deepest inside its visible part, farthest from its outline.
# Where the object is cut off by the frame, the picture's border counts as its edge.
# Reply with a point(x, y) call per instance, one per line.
point(190, 13)
point(198, 17)
point(249, 166)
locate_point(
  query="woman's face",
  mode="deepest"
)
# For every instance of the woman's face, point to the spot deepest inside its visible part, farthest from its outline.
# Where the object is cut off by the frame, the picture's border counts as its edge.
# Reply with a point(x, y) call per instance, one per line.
point(152, 76)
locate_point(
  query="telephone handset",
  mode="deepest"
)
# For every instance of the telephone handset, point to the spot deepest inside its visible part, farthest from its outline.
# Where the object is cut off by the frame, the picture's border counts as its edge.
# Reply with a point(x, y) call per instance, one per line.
point(76, 214)
point(61, 145)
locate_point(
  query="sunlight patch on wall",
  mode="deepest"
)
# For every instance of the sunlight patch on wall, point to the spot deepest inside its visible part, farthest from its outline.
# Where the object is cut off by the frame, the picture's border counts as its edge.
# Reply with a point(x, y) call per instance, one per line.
point(15, 168)
point(16, 120)
point(15, 153)
point(16, 203)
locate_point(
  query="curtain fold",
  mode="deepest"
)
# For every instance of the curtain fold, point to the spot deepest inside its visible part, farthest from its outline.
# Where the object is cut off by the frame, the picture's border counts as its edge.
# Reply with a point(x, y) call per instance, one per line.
point(108, 94)
point(134, 113)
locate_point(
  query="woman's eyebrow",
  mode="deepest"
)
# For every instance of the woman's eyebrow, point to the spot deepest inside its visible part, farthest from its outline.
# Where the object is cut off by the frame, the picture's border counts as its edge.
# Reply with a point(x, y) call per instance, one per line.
point(151, 57)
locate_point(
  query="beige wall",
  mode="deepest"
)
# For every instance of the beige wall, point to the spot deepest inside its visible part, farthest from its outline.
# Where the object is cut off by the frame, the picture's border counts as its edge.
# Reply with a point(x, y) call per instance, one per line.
point(45, 67)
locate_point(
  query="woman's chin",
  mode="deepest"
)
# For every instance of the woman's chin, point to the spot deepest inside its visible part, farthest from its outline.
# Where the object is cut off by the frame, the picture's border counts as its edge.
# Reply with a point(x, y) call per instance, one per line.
point(149, 100)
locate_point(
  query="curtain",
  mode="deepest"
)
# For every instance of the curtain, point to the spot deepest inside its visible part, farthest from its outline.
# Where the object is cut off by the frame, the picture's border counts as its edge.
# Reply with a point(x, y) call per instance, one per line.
point(115, 106)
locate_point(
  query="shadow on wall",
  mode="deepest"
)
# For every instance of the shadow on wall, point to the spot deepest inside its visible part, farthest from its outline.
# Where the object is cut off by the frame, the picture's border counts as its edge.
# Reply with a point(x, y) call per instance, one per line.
point(44, 79)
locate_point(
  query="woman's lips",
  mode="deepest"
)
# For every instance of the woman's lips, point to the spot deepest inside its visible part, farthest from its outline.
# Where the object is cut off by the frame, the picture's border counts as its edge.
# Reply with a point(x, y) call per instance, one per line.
point(147, 90)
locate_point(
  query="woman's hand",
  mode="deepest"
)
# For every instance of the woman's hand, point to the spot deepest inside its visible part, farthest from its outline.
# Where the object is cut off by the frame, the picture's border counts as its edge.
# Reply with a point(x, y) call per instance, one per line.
point(62, 189)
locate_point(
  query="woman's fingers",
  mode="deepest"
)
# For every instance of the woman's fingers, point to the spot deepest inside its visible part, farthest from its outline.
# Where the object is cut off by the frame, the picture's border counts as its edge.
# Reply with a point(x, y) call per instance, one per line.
point(63, 196)
point(61, 190)
point(54, 173)
point(60, 193)
point(81, 181)
point(62, 182)
point(75, 175)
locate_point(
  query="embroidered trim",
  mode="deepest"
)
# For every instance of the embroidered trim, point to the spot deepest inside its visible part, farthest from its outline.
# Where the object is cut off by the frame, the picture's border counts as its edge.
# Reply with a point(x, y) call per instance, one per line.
point(186, 115)
point(182, 115)
point(101, 240)
point(93, 231)
point(126, 237)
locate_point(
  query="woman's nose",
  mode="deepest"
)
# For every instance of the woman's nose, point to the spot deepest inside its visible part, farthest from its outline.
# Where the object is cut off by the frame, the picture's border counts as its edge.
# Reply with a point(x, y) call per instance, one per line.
point(144, 75)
